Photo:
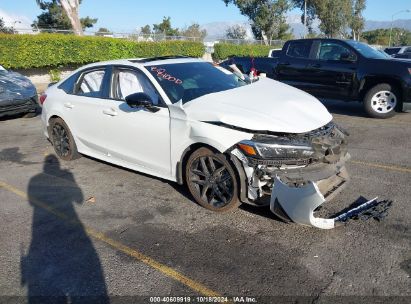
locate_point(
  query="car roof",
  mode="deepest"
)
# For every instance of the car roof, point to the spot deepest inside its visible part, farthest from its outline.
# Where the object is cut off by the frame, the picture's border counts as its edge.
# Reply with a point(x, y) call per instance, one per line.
point(141, 62)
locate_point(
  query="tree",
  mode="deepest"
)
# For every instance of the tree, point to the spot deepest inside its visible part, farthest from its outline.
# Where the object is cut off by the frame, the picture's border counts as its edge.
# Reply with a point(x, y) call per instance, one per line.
point(194, 31)
point(335, 16)
point(267, 17)
point(165, 28)
point(284, 32)
point(236, 32)
point(5, 29)
point(145, 30)
point(62, 14)
point(357, 21)
point(382, 36)
point(102, 31)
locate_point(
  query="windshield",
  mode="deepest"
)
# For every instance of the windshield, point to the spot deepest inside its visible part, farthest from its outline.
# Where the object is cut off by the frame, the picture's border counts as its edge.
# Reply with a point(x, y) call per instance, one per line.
point(366, 50)
point(188, 81)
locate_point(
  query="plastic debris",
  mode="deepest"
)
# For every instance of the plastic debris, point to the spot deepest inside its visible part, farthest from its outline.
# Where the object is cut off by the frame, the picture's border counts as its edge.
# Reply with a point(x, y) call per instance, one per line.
point(372, 209)
point(91, 200)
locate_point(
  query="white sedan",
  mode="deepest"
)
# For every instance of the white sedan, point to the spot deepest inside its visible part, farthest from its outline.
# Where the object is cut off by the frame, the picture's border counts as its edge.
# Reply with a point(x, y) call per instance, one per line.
point(185, 120)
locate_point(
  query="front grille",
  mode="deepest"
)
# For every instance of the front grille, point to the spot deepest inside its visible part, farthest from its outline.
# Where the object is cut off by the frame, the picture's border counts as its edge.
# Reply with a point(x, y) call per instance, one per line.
point(278, 162)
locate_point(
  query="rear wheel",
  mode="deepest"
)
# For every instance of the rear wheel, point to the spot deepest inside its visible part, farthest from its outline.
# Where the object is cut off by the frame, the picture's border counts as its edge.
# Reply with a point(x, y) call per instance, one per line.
point(381, 101)
point(212, 181)
point(62, 140)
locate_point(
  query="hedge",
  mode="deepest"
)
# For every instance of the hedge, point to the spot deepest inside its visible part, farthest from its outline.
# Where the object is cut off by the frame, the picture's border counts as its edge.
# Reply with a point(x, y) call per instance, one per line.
point(224, 50)
point(52, 50)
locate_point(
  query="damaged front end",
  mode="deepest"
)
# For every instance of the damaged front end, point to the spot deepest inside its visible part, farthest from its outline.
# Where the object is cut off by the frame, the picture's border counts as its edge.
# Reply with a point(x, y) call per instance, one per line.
point(294, 173)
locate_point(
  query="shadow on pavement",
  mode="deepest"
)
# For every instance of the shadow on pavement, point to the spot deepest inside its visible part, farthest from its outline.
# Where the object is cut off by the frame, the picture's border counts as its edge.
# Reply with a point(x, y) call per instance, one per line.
point(62, 265)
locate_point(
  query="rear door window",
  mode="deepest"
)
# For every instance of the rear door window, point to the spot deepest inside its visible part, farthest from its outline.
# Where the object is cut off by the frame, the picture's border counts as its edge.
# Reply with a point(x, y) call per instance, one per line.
point(299, 49)
point(91, 84)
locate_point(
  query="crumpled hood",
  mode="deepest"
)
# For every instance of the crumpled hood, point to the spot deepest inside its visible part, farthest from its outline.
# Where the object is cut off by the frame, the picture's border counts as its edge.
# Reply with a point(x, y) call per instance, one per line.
point(265, 105)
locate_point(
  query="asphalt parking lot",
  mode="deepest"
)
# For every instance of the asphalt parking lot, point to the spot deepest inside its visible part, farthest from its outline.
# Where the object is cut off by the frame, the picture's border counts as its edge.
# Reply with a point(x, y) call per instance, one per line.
point(87, 228)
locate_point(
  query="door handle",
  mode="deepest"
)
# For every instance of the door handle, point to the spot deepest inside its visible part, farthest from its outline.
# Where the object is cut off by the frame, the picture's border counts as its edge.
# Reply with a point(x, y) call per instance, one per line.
point(110, 112)
point(285, 63)
point(69, 105)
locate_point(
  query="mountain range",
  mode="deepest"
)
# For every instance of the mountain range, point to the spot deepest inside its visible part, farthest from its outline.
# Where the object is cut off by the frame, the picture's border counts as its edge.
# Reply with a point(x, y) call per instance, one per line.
point(217, 30)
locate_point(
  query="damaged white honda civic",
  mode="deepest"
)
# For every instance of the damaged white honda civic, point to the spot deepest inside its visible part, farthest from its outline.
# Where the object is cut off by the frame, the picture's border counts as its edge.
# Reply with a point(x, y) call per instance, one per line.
point(185, 120)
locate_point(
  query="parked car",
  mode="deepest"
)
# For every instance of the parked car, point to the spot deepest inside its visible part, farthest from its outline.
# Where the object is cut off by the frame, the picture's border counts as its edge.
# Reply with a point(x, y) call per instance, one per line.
point(406, 56)
point(187, 121)
point(399, 52)
point(339, 69)
point(17, 94)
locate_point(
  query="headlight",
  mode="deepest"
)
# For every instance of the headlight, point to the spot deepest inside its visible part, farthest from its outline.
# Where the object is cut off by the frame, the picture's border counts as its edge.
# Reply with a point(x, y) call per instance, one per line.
point(276, 148)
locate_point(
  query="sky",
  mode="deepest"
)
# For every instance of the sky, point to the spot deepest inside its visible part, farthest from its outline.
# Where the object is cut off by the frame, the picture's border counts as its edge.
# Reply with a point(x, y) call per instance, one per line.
point(129, 15)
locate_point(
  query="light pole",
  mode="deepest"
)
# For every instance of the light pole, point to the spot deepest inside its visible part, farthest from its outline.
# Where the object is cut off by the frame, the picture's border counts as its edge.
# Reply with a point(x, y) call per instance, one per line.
point(392, 21)
point(305, 18)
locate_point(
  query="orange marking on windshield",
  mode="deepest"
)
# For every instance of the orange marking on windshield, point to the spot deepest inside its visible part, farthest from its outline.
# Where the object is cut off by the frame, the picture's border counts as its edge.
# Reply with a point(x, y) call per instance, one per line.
point(163, 74)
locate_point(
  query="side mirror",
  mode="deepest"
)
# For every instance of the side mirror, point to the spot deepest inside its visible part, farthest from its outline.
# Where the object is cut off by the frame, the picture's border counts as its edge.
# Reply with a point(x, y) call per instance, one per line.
point(141, 100)
point(347, 57)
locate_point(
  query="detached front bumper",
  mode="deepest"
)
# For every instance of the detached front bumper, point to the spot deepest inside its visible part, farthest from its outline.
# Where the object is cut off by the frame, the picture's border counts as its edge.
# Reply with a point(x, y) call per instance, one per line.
point(298, 204)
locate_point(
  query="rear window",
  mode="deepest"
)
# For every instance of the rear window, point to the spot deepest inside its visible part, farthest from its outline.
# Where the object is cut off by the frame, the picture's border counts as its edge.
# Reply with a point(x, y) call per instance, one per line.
point(299, 49)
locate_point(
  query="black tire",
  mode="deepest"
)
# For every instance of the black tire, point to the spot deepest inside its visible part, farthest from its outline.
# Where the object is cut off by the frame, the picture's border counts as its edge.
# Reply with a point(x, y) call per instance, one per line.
point(382, 100)
point(62, 140)
point(212, 181)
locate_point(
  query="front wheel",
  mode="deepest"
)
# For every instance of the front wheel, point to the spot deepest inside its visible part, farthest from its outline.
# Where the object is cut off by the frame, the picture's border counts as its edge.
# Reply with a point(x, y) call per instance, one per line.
point(212, 181)
point(381, 101)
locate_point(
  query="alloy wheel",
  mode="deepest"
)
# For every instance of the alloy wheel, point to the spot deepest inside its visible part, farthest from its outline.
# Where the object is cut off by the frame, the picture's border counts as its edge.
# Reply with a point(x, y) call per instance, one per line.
point(61, 140)
point(212, 181)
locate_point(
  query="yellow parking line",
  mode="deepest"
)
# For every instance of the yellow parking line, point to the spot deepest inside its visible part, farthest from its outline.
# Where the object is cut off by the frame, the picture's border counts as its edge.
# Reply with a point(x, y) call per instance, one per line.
point(168, 271)
point(380, 166)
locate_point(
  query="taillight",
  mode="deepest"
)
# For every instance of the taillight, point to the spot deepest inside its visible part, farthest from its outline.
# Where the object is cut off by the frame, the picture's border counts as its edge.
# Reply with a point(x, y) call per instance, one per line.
point(42, 98)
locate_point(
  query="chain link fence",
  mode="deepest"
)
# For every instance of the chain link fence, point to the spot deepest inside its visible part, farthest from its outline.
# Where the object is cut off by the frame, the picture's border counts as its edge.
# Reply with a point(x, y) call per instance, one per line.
point(149, 37)
point(274, 43)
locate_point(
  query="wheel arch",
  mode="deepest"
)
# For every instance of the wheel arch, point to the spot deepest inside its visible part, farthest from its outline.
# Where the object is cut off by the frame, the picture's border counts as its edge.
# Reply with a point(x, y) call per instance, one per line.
point(180, 170)
point(54, 116)
point(370, 82)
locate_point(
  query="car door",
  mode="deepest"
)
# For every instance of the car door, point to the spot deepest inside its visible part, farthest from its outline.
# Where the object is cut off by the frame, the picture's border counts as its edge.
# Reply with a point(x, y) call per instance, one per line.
point(81, 107)
point(334, 70)
point(137, 135)
point(294, 63)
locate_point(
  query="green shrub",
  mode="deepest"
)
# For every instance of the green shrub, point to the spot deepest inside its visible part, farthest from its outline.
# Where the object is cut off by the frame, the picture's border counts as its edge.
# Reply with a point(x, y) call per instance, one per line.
point(224, 50)
point(52, 50)
point(55, 75)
